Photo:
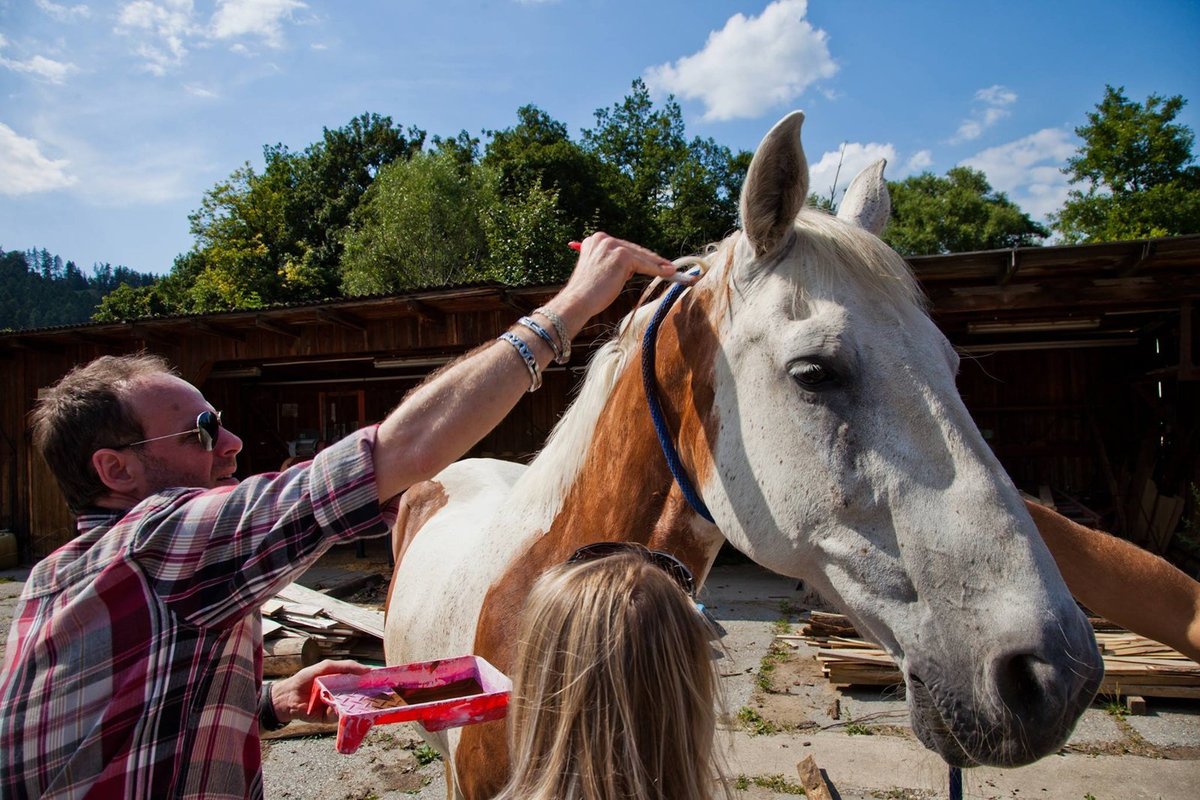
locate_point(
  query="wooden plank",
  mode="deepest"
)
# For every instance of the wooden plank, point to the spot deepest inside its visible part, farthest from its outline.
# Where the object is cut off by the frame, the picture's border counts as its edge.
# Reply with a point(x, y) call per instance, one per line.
point(288, 655)
point(1134, 665)
point(361, 619)
point(297, 729)
point(811, 779)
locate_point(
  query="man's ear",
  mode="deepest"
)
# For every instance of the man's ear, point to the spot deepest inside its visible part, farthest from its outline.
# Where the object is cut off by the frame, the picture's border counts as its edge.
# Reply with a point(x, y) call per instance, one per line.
point(117, 470)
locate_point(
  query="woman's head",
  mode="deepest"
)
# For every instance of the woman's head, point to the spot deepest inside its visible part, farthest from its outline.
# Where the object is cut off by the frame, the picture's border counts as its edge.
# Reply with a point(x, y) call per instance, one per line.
point(614, 686)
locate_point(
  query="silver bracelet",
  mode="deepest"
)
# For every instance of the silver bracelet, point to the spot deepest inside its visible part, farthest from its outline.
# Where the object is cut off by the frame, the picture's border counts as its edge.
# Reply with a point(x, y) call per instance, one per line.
point(563, 354)
point(535, 376)
point(544, 335)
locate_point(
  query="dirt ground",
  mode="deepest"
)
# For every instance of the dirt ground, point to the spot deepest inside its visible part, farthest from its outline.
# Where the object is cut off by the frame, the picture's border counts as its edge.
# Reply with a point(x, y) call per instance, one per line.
point(778, 709)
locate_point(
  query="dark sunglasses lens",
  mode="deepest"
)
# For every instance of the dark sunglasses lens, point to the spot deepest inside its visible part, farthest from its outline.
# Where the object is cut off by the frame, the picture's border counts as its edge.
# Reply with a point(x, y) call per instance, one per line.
point(676, 569)
point(664, 561)
point(208, 427)
point(598, 550)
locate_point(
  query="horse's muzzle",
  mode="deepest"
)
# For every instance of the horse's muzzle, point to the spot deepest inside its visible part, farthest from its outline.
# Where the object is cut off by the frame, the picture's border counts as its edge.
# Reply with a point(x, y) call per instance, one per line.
point(1023, 709)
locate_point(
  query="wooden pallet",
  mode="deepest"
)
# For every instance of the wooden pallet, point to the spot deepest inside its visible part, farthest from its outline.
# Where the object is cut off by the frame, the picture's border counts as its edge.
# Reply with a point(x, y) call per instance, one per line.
point(1133, 664)
point(301, 626)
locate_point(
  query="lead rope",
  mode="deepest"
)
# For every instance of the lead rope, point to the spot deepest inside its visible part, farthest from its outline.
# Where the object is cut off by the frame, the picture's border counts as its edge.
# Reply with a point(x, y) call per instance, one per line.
point(650, 384)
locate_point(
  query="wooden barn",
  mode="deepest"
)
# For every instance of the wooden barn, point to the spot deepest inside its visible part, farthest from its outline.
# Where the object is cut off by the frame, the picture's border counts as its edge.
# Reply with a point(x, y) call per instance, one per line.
point(1080, 367)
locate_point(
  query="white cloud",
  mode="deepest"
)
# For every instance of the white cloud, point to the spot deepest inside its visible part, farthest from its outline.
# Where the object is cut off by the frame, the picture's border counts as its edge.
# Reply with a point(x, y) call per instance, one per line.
point(855, 157)
point(1028, 170)
point(751, 65)
point(260, 18)
point(995, 101)
point(39, 66)
point(199, 91)
point(160, 30)
point(997, 96)
point(44, 68)
point(918, 162)
point(163, 31)
point(64, 13)
point(23, 168)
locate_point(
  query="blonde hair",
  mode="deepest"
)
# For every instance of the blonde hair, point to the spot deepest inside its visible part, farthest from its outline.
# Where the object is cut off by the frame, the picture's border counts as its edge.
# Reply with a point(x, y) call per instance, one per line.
point(614, 688)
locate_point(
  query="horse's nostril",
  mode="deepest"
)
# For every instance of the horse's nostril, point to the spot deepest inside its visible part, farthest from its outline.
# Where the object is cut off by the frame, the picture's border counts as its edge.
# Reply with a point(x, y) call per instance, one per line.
point(1021, 681)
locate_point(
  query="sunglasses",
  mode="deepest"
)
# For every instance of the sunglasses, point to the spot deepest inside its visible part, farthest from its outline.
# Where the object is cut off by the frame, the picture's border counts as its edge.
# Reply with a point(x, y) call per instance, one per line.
point(208, 428)
point(664, 561)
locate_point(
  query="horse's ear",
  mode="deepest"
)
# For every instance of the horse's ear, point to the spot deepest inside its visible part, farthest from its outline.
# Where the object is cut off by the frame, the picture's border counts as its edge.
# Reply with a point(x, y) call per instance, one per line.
point(867, 203)
point(776, 185)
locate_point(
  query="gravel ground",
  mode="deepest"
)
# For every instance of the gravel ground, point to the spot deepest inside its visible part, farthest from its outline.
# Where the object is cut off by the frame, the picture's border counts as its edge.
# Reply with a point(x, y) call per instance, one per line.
point(860, 738)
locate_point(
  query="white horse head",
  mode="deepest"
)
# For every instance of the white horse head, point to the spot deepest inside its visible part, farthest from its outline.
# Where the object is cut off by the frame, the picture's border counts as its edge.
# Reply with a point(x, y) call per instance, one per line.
point(843, 454)
point(813, 404)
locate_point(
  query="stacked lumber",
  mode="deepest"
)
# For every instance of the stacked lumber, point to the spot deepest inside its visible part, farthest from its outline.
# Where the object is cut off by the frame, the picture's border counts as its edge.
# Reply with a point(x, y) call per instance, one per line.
point(1133, 664)
point(301, 626)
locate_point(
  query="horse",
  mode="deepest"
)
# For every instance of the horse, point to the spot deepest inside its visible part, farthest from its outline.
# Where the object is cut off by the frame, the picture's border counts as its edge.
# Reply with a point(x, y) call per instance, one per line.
point(812, 405)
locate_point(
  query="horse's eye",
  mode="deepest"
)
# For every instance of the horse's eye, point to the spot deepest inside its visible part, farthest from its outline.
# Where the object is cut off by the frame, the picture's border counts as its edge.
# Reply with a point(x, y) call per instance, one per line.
point(812, 375)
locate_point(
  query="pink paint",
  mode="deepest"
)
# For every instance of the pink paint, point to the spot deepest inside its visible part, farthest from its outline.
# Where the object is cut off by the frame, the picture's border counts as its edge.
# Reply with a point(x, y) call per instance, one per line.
point(376, 697)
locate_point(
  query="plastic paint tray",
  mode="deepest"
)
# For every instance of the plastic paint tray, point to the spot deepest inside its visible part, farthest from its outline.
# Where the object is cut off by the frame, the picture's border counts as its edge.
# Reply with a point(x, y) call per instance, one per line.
point(439, 694)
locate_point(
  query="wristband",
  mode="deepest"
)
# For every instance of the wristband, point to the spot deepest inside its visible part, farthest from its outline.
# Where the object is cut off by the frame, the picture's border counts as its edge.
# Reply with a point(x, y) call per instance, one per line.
point(563, 354)
point(535, 376)
point(268, 720)
point(544, 336)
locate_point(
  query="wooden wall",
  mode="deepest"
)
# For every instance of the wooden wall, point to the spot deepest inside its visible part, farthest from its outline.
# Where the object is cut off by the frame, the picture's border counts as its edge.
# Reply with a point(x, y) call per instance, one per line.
point(1087, 421)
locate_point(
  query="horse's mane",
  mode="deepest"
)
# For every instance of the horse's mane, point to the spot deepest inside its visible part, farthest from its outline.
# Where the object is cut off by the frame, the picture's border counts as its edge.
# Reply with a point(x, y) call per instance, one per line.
point(830, 250)
point(827, 251)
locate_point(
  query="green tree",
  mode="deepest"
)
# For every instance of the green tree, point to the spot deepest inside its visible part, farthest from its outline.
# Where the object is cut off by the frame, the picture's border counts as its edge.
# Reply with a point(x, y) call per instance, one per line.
point(41, 290)
point(277, 236)
point(420, 224)
point(526, 235)
point(674, 195)
point(955, 214)
point(1135, 170)
point(642, 147)
point(537, 155)
point(240, 229)
point(126, 299)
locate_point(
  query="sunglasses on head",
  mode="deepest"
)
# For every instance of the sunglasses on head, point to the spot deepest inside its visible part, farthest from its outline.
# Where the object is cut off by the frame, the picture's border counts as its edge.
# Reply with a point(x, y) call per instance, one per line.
point(208, 428)
point(664, 561)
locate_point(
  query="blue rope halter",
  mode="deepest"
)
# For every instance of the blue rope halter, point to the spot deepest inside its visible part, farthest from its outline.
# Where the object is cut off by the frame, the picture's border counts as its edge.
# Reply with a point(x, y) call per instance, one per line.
point(650, 384)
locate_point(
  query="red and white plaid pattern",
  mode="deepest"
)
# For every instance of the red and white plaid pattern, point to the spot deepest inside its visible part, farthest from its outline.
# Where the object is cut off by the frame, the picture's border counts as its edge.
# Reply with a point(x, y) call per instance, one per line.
point(134, 660)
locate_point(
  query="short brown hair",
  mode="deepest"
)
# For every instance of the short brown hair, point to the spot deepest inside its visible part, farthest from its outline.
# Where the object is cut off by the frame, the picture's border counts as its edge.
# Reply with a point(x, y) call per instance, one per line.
point(84, 412)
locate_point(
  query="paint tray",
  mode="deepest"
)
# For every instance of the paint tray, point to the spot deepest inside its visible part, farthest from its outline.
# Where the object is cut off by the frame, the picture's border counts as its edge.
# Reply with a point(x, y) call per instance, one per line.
point(447, 693)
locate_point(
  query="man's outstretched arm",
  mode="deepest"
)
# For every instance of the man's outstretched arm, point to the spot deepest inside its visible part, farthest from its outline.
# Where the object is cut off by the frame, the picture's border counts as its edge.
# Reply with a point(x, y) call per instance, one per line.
point(442, 419)
point(1124, 583)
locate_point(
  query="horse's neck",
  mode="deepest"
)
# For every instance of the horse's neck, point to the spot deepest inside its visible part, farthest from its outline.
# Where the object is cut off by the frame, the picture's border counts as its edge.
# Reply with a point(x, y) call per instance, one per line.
point(622, 489)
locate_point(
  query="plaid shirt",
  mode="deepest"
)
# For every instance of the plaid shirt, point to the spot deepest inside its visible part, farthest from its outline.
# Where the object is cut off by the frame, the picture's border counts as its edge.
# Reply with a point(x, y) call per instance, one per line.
point(134, 660)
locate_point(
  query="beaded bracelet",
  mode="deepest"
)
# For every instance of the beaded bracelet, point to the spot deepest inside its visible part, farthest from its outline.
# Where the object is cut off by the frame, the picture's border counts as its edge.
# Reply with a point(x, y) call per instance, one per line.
point(535, 376)
point(544, 335)
point(563, 354)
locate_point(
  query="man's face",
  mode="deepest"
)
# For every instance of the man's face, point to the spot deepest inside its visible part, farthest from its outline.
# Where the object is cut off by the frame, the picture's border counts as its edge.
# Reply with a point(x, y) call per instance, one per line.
point(165, 405)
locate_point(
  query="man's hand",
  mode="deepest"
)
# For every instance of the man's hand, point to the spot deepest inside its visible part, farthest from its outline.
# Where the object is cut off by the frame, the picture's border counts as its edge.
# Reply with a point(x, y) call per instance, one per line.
point(605, 265)
point(290, 695)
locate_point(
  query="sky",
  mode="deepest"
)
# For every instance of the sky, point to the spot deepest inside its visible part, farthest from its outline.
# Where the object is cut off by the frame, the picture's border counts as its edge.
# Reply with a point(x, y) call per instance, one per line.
point(117, 116)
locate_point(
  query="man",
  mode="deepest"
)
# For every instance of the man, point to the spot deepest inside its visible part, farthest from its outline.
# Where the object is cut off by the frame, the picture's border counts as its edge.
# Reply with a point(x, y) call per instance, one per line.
point(134, 661)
